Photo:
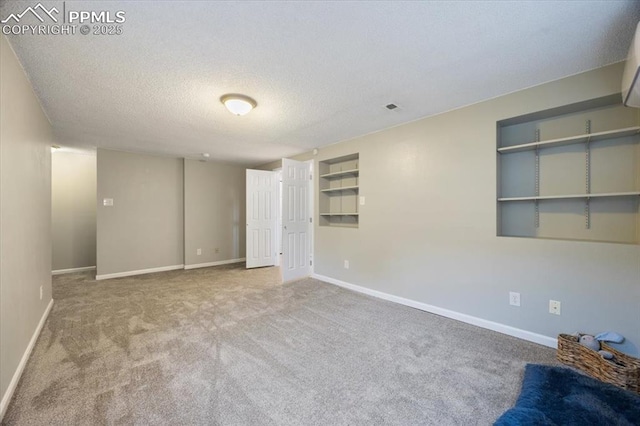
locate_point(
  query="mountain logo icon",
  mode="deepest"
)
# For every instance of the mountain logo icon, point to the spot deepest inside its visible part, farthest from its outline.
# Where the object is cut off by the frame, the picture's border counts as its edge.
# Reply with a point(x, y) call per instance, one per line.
point(34, 11)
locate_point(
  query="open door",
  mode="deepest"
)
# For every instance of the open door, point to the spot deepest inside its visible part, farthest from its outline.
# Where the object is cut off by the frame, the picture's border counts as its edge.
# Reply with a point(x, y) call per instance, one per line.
point(296, 220)
point(261, 218)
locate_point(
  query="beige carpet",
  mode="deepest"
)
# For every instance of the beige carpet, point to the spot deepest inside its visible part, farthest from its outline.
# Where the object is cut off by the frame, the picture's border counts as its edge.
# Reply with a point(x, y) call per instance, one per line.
point(231, 346)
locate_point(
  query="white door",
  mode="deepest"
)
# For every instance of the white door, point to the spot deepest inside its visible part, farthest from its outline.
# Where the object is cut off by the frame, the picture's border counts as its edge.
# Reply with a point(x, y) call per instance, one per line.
point(296, 218)
point(261, 218)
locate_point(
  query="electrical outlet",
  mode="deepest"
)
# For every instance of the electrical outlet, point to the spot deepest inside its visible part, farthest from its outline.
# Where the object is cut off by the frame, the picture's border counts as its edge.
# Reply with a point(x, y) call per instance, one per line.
point(198, 252)
point(40, 292)
point(217, 250)
point(554, 307)
point(514, 298)
point(346, 264)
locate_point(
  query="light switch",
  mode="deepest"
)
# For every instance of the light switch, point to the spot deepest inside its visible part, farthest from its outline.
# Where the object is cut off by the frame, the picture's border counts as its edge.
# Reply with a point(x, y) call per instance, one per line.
point(362, 200)
point(107, 202)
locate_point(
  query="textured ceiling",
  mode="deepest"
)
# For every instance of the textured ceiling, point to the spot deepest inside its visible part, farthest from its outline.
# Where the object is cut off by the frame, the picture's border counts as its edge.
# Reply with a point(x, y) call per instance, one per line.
point(321, 72)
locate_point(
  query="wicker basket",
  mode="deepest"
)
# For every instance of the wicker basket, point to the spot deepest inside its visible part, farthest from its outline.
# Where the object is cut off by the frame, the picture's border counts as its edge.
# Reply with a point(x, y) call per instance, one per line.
point(622, 371)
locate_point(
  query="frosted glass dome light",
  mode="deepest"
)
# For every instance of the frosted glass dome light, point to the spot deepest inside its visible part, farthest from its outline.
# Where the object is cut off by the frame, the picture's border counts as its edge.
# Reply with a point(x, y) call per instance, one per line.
point(238, 104)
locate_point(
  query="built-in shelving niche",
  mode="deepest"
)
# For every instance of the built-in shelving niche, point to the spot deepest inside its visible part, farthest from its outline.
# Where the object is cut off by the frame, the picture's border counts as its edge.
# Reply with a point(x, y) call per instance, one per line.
point(339, 189)
point(571, 173)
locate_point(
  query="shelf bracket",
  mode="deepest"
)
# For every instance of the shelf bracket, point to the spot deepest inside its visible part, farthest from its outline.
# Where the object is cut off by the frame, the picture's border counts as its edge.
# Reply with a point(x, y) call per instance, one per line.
point(587, 152)
point(587, 179)
point(587, 214)
point(537, 181)
point(587, 171)
point(537, 165)
point(537, 172)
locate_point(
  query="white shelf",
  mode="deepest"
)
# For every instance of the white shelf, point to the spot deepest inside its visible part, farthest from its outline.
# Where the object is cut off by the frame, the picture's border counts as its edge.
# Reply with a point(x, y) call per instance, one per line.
point(344, 188)
point(570, 196)
point(335, 175)
point(338, 191)
point(588, 137)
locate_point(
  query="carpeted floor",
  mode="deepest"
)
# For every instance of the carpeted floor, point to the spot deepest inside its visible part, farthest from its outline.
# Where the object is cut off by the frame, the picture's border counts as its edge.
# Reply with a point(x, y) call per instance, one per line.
point(231, 346)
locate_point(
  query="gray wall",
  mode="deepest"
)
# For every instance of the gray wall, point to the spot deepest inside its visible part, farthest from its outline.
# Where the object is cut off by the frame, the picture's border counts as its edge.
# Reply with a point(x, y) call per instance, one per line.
point(144, 227)
point(25, 216)
point(214, 211)
point(73, 210)
point(428, 229)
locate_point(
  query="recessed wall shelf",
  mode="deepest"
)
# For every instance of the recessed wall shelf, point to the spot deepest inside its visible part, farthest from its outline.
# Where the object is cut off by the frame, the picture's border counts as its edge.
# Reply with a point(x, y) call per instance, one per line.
point(587, 137)
point(563, 197)
point(339, 190)
point(343, 188)
point(588, 154)
point(340, 174)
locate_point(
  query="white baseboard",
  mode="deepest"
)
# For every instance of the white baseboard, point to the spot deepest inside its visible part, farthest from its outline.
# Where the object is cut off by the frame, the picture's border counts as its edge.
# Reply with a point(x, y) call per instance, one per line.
point(72, 270)
point(139, 272)
point(218, 263)
point(6, 398)
point(490, 325)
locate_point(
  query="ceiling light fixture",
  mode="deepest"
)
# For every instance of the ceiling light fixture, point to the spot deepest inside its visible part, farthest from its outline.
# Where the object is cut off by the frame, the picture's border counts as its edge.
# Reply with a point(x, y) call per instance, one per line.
point(238, 104)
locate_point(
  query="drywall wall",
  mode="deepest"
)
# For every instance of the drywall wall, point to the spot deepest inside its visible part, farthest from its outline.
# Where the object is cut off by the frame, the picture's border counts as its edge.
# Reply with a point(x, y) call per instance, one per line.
point(73, 210)
point(214, 212)
point(143, 230)
point(427, 231)
point(25, 219)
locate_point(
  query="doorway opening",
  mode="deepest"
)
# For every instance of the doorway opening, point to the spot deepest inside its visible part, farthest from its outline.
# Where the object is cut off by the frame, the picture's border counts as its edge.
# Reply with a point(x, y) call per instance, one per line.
point(280, 218)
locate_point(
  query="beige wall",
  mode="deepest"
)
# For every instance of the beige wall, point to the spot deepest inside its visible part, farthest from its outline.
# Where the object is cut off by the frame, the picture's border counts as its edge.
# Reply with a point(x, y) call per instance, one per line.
point(214, 211)
point(25, 215)
point(428, 229)
point(73, 210)
point(144, 227)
